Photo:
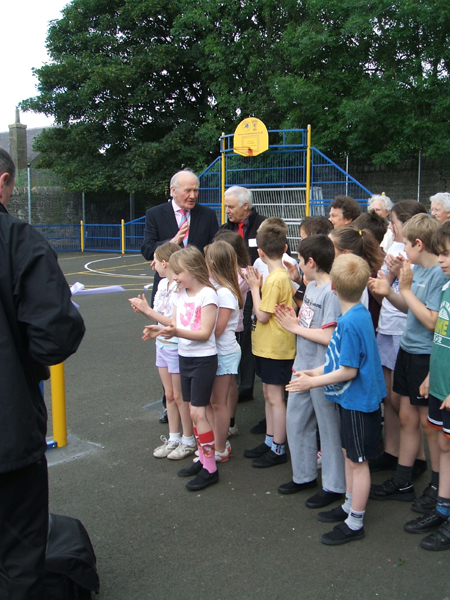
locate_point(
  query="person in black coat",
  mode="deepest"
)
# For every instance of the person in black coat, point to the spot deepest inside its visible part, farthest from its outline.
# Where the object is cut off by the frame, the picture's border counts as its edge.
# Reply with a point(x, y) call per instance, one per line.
point(244, 220)
point(39, 326)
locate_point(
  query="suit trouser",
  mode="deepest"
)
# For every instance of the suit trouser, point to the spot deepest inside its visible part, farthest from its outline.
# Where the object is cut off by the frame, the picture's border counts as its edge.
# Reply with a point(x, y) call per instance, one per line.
point(246, 379)
point(306, 410)
point(23, 532)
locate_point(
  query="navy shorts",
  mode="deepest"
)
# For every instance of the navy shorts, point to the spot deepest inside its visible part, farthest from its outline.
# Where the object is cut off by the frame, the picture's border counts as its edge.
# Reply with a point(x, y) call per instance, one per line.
point(272, 371)
point(197, 375)
point(437, 418)
point(409, 373)
point(360, 434)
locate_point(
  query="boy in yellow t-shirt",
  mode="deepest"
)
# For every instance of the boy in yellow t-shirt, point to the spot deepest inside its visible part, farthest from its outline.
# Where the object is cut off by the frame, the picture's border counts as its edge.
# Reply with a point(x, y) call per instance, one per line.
point(272, 346)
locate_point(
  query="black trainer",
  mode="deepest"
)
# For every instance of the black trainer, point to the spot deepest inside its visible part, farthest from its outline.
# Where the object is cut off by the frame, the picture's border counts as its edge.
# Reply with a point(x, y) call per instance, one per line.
point(439, 540)
point(332, 516)
point(269, 459)
point(258, 451)
point(425, 523)
point(191, 471)
point(427, 501)
point(390, 490)
point(203, 479)
point(342, 534)
point(292, 488)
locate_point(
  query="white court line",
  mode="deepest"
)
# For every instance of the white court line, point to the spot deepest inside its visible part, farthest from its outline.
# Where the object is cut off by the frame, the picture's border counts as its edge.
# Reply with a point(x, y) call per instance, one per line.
point(87, 267)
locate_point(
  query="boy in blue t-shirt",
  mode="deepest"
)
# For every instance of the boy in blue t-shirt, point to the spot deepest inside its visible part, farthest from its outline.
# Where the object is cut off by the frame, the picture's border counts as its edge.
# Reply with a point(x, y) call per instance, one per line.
point(352, 377)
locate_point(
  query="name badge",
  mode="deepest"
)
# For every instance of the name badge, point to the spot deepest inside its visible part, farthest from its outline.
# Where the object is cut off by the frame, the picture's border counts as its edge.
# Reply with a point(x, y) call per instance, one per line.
point(252, 243)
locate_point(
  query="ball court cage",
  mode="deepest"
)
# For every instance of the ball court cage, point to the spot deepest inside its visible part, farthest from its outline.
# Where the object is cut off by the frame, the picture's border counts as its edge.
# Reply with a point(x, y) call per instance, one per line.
point(291, 180)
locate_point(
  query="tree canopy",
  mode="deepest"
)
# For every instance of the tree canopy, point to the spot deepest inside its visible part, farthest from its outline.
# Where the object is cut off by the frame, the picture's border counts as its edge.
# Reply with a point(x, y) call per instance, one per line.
point(139, 88)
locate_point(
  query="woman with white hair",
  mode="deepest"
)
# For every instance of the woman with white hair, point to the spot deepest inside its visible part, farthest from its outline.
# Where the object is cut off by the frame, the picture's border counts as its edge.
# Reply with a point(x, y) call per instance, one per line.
point(382, 205)
point(440, 207)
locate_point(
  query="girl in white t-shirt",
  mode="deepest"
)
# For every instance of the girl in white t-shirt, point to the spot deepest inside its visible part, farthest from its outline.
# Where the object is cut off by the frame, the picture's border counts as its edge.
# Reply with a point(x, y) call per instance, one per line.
point(177, 446)
point(222, 266)
point(193, 323)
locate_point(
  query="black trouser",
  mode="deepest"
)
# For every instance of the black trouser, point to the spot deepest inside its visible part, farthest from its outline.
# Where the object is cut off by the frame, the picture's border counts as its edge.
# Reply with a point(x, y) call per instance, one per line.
point(246, 377)
point(23, 532)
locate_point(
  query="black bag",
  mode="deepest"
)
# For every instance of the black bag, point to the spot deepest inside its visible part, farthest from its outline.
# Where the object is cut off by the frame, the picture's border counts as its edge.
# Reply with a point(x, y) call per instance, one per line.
point(70, 563)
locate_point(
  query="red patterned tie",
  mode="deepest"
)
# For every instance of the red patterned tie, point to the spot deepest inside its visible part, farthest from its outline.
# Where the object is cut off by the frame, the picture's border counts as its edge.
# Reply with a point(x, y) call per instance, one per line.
point(240, 230)
point(184, 218)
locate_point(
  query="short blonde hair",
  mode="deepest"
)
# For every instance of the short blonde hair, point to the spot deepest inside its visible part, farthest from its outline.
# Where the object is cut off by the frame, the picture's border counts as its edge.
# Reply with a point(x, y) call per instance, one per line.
point(421, 227)
point(349, 276)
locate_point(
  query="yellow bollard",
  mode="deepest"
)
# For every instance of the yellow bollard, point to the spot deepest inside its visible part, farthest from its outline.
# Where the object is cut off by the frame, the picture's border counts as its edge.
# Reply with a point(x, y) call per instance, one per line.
point(58, 388)
point(82, 236)
point(122, 229)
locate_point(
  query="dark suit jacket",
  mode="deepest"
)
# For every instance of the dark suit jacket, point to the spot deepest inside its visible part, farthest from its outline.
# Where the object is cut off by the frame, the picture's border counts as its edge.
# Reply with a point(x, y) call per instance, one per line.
point(161, 225)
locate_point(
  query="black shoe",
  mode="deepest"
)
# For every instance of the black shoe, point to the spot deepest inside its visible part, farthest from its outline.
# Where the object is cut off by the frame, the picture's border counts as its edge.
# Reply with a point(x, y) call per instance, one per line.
point(292, 488)
point(203, 479)
point(390, 490)
point(385, 462)
point(163, 418)
point(269, 459)
point(257, 452)
point(194, 469)
point(427, 501)
point(439, 540)
point(259, 427)
point(332, 516)
point(425, 524)
point(322, 499)
point(342, 534)
point(419, 468)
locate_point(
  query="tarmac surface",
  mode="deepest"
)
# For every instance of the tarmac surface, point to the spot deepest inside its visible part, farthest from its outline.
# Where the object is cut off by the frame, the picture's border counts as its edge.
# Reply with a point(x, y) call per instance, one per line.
point(239, 539)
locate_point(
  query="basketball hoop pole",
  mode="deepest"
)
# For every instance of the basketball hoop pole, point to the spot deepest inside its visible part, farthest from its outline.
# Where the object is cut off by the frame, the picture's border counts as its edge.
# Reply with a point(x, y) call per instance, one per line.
point(222, 178)
point(308, 170)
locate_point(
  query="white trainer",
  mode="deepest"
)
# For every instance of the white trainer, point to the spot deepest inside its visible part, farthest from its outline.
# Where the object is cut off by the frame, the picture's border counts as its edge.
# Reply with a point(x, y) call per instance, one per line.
point(166, 448)
point(182, 451)
point(233, 431)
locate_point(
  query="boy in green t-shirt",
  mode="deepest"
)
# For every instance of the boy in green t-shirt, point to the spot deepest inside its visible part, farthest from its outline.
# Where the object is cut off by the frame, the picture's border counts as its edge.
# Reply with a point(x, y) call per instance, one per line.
point(437, 388)
point(273, 347)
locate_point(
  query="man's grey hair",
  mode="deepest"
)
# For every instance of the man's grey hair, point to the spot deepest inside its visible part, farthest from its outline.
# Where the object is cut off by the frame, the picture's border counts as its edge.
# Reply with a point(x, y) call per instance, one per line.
point(242, 195)
point(442, 198)
point(7, 164)
point(174, 180)
point(387, 202)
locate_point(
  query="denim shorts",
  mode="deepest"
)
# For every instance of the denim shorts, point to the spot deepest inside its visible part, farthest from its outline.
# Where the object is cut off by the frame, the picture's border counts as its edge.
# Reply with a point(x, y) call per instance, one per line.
point(228, 364)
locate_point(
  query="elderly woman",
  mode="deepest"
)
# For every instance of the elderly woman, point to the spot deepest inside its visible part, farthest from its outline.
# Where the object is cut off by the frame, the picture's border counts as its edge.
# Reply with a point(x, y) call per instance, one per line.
point(382, 205)
point(440, 206)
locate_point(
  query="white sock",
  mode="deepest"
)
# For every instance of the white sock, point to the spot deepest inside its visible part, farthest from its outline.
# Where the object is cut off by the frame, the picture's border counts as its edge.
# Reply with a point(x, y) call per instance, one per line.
point(175, 437)
point(188, 441)
point(346, 507)
point(355, 519)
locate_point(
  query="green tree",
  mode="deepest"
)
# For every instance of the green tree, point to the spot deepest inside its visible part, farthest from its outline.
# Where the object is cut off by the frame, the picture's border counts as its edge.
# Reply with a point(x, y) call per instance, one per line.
point(140, 88)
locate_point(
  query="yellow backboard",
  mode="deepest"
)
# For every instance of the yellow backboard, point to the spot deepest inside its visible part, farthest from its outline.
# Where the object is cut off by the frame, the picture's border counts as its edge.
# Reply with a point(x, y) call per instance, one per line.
point(250, 138)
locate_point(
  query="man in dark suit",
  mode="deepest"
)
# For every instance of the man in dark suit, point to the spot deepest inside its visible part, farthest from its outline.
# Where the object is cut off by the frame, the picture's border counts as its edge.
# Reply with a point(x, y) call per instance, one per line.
point(244, 220)
point(181, 221)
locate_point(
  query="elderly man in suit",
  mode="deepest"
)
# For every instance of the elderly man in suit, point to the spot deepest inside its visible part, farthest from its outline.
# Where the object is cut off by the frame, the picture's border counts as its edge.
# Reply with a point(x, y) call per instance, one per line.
point(181, 221)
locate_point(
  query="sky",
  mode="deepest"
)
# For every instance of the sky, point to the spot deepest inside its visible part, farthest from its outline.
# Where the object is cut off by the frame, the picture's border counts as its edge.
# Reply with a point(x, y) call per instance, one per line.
point(22, 43)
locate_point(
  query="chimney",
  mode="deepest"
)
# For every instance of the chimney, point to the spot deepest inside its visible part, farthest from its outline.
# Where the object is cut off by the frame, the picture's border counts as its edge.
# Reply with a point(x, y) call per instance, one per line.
point(18, 143)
